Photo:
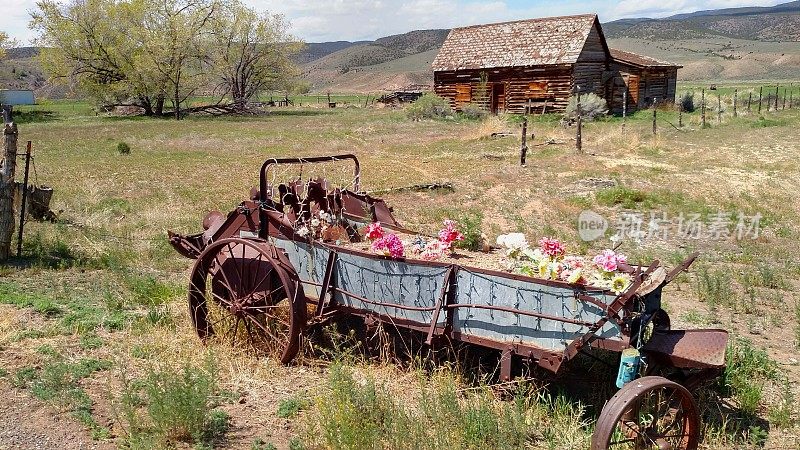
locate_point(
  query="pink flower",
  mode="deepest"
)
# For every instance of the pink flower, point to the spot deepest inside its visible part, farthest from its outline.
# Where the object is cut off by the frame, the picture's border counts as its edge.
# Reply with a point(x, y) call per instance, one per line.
point(389, 245)
point(374, 231)
point(609, 261)
point(551, 247)
point(450, 234)
point(434, 250)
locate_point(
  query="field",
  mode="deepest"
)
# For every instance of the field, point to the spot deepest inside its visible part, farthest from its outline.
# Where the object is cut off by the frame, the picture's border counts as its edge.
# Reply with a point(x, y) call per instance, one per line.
point(97, 349)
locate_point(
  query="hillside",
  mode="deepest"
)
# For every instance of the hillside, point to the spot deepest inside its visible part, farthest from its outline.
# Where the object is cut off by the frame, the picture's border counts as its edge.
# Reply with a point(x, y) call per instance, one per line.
point(779, 23)
point(751, 43)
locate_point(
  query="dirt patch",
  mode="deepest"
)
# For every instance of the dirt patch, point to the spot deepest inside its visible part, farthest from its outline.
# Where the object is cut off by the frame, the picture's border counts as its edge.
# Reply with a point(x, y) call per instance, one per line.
point(28, 423)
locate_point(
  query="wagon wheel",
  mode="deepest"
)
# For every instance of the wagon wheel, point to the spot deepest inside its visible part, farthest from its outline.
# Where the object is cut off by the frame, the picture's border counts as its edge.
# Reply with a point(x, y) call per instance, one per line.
point(245, 291)
point(649, 413)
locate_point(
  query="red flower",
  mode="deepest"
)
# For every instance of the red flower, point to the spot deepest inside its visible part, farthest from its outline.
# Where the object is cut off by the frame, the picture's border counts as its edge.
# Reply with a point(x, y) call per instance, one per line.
point(551, 247)
point(449, 233)
point(374, 231)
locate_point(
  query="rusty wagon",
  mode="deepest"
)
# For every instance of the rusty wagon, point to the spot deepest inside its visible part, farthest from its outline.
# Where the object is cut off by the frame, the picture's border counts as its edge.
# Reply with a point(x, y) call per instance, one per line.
point(257, 277)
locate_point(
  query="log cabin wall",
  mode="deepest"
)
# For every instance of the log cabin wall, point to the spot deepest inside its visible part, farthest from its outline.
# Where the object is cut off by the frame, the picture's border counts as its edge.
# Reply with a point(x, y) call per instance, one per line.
point(524, 89)
point(644, 87)
point(592, 64)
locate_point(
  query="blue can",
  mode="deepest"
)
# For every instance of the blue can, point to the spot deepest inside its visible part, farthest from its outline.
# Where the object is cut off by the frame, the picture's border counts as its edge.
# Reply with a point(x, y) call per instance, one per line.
point(628, 367)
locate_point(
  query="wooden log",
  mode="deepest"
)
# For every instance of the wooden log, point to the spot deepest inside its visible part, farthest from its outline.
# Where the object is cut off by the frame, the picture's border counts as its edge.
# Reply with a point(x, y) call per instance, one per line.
point(523, 149)
point(703, 108)
point(24, 199)
point(760, 98)
point(655, 115)
point(777, 93)
point(578, 137)
point(7, 188)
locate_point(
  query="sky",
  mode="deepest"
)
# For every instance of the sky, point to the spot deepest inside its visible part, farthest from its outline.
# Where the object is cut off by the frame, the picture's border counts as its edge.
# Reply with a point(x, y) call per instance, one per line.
point(351, 20)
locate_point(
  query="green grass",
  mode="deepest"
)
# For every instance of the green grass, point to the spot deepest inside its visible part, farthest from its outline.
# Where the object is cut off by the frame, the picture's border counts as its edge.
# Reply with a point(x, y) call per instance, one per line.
point(364, 414)
point(171, 405)
point(748, 370)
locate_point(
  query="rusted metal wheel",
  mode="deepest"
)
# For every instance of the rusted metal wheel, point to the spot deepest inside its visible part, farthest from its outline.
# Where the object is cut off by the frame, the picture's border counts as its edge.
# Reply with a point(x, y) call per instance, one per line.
point(649, 413)
point(246, 292)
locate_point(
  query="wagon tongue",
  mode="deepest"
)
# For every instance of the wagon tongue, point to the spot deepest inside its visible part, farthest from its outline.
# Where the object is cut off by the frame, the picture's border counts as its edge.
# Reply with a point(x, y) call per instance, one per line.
point(188, 246)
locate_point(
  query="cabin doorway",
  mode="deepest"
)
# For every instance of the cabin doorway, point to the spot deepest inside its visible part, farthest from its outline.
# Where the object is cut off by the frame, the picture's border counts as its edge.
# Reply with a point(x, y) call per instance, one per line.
point(498, 103)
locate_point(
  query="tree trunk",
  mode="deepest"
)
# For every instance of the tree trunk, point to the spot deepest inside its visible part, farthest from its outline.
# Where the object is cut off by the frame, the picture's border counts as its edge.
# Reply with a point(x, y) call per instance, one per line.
point(147, 106)
point(7, 189)
point(159, 109)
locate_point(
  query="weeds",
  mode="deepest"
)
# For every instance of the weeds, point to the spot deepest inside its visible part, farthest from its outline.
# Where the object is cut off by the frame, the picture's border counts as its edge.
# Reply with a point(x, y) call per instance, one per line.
point(470, 225)
point(365, 414)
point(123, 148)
point(429, 106)
point(747, 371)
point(781, 413)
point(620, 195)
point(172, 405)
point(714, 288)
point(291, 407)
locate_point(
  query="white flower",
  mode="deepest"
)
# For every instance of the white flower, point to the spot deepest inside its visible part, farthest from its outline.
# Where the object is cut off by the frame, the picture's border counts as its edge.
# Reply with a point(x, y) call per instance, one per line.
point(315, 222)
point(514, 243)
point(302, 231)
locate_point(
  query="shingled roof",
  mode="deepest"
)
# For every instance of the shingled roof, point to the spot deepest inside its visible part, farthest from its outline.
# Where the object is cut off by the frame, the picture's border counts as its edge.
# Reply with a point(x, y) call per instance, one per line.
point(638, 60)
point(534, 42)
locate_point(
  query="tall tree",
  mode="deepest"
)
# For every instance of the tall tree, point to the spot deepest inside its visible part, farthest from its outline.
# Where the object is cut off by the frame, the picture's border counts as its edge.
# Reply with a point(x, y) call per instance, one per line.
point(87, 42)
point(252, 51)
point(175, 39)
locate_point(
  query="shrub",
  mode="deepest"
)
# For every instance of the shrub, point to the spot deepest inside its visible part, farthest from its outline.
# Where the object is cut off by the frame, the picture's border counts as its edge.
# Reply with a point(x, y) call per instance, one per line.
point(473, 111)
point(592, 107)
point(686, 101)
point(470, 226)
point(746, 372)
point(429, 106)
point(123, 148)
point(173, 405)
point(621, 195)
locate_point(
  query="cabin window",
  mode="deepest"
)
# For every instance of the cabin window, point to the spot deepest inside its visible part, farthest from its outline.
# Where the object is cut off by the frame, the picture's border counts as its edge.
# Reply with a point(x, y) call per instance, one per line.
point(463, 94)
point(537, 89)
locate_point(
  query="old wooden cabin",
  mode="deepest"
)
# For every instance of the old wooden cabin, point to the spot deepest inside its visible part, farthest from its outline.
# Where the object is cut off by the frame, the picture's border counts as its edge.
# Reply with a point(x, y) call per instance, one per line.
point(536, 65)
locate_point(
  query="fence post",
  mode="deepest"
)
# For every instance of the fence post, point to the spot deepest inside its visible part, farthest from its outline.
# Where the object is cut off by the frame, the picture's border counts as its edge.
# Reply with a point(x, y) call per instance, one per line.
point(523, 149)
point(777, 93)
point(10, 135)
point(703, 108)
point(578, 137)
point(760, 98)
point(784, 99)
point(719, 109)
point(735, 102)
point(680, 114)
point(624, 107)
point(24, 198)
point(655, 113)
point(749, 101)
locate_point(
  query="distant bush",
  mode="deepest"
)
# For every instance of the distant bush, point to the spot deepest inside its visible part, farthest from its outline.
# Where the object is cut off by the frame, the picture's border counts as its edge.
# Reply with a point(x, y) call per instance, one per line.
point(592, 107)
point(429, 106)
point(473, 111)
point(686, 101)
point(123, 148)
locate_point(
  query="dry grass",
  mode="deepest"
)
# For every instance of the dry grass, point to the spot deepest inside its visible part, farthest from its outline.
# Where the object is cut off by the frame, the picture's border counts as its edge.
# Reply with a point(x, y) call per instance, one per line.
point(177, 171)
